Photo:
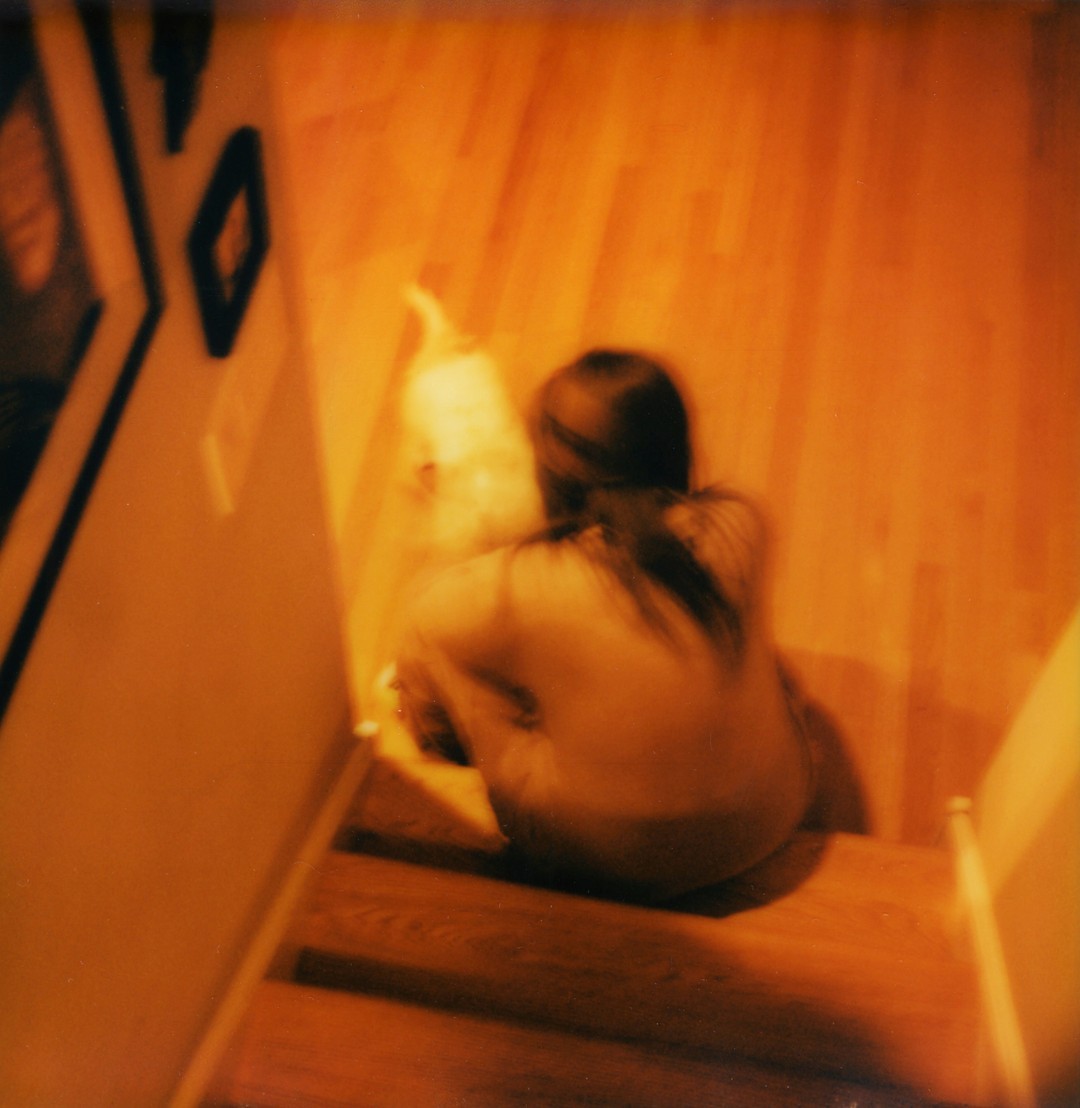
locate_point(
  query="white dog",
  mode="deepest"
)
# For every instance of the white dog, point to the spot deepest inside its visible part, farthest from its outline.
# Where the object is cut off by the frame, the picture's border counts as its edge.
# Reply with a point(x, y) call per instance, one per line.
point(467, 453)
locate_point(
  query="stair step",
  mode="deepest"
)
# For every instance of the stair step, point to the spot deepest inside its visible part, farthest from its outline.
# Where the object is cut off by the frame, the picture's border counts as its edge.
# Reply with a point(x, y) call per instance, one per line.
point(426, 810)
point(305, 1046)
point(868, 890)
point(437, 814)
point(849, 974)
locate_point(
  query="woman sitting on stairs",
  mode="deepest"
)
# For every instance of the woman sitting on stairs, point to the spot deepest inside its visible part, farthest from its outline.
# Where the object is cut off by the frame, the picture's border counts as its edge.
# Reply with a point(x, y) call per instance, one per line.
point(613, 679)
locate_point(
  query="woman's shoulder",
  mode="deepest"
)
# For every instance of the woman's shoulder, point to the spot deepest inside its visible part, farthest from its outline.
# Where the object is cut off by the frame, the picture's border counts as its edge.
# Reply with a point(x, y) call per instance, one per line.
point(457, 602)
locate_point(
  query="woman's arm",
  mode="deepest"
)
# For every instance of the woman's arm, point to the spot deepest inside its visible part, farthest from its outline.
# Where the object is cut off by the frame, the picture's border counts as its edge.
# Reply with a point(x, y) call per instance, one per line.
point(454, 636)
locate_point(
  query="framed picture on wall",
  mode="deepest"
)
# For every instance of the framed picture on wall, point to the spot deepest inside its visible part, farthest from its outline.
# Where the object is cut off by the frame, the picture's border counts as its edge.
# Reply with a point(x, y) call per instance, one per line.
point(79, 293)
point(48, 298)
point(229, 240)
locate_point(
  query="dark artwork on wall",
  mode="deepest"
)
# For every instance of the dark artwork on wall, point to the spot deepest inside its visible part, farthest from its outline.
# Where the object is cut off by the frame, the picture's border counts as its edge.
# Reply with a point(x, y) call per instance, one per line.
point(80, 294)
point(229, 240)
point(48, 304)
point(181, 46)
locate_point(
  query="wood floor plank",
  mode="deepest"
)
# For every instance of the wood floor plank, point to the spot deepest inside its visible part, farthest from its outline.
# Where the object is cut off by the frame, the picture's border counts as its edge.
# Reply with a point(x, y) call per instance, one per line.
point(303, 1047)
point(801, 983)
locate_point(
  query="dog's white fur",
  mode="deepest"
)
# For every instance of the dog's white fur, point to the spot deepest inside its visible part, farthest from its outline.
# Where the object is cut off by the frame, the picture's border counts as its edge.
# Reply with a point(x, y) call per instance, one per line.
point(467, 453)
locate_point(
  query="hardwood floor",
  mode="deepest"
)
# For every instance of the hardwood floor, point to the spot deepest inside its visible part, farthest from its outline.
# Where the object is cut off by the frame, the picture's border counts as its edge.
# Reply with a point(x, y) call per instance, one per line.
point(853, 229)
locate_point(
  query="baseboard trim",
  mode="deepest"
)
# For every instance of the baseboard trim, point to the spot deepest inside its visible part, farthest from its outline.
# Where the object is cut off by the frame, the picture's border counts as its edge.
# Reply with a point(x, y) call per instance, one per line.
point(1012, 1073)
point(254, 964)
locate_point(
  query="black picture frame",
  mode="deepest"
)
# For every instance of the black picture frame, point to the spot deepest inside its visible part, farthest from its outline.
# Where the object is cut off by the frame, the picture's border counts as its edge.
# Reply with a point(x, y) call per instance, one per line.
point(49, 304)
point(182, 34)
point(229, 240)
point(95, 145)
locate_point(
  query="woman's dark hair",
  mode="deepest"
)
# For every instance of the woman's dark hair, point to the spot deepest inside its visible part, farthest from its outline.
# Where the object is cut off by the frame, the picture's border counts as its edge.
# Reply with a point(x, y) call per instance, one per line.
point(612, 438)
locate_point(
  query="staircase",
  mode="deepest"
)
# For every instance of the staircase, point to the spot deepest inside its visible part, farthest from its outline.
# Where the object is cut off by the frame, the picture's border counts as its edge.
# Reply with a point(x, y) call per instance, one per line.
point(418, 973)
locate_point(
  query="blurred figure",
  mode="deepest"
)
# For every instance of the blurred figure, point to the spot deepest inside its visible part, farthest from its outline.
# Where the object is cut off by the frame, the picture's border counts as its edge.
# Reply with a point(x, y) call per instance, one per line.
point(612, 678)
point(466, 453)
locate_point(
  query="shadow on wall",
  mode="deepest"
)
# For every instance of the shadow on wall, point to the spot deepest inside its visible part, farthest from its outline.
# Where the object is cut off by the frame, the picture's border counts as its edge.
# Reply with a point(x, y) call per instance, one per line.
point(839, 802)
point(891, 750)
point(886, 759)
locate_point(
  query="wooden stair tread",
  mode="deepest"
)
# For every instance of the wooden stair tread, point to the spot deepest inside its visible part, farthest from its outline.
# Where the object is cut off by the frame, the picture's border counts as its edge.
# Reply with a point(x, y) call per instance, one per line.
point(851, 882)
point(432, 812)
point(437, 814)
point(818, 979)
point(303, 1046)
point(426, 808)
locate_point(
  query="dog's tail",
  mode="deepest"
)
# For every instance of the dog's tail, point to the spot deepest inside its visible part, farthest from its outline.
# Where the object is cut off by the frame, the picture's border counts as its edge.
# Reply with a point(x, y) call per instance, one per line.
point(440, 337)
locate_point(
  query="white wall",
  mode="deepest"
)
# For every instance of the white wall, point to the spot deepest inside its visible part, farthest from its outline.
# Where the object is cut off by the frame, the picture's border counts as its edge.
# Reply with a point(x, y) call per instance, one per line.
point(1028, 821)
point(183, 708)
